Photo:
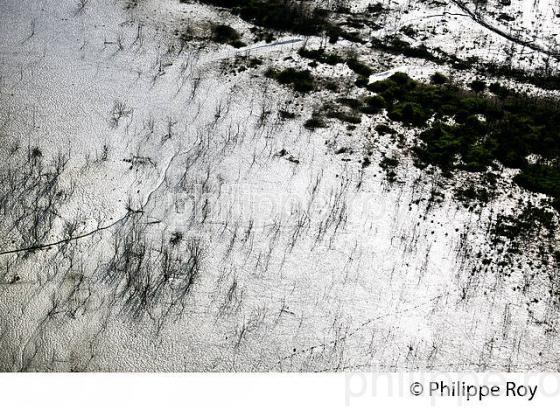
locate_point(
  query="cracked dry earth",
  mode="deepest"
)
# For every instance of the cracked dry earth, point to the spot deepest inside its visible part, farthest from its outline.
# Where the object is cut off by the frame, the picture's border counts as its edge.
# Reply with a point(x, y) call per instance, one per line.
point(160, 213)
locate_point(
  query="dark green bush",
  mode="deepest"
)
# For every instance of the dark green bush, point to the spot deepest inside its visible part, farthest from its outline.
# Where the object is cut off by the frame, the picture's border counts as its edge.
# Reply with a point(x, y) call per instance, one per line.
point(301, 81)
point(499, 90)
point(286, 15)
point(441, 147)
point(359, 68)
point(485, 129)
point(401, 79)
point(315, 122)
point(389, 165)
point(472, 194)
point(321, 56)
point(350, 102)
point(389, 162)
point(344, 116)
point(375, 103)
point(478, 86)
point(397, 46)
point(438, 79)
point(362, 81)
point(540, 178)
point(410, 113)
point(222, 33)
point(393, 88)
point(383, 129)
point(286, 115)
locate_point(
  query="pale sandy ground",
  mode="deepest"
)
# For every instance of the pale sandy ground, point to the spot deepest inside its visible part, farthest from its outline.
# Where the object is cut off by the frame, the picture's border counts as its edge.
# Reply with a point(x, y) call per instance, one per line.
point(317, 265)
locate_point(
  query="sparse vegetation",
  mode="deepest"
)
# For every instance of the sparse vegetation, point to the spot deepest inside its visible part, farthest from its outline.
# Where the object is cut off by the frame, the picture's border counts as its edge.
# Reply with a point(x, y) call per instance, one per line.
point(151, 281)
point(31, 194)
point(532, 230)
point(471, 194)
point(541, 77)
point(484, 129)
point(389, 165)
point(302, 228)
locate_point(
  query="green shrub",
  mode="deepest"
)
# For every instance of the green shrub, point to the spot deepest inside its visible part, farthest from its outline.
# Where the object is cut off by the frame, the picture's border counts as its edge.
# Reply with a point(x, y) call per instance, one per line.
point(389, 162)
point(471, 194)
point(224, 34)
point(286, 115)
point(383, 129)
point(438, 79)
point(409, 113)
point(350, 102)
point(362, 81)
point(321, 56)
point(379, 86)
point(540, 178)
point(344, 116)
point(393, 88)
point(315, 122)
point(401, 79)
point(359, 68)
point(441, 146)
point(484, 131)
point(499, 90)
point(389, 165)
point(301, 81)
point(478, 86)
point(395, 45)
point(375, 103)
point(286, 15)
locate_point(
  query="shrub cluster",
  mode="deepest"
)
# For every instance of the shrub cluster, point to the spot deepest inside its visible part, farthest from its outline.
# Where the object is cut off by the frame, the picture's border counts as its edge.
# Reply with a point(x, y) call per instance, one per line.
point(301, 81)
point(316, 121)
point(359, 68)
point(321, 56)
point(224, 34)
point(286, 15)
point(540, 78)
point(507, 128)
